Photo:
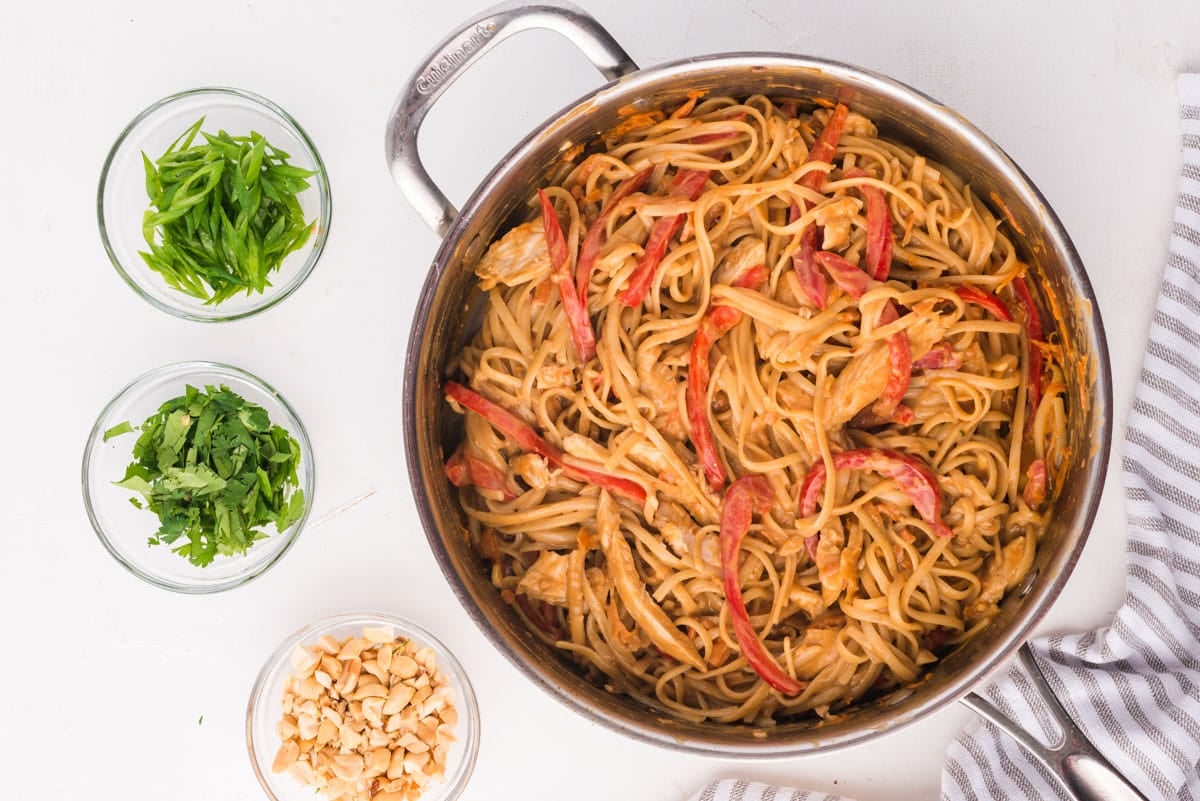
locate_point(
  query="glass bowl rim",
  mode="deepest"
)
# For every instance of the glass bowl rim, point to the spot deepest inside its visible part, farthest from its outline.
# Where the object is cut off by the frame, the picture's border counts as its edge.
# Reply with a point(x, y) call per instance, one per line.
point(324, 205)
point(466, 701)
point(95, 438)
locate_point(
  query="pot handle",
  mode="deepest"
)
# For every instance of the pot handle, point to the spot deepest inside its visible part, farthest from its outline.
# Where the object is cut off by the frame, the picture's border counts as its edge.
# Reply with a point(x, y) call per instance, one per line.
point(1073, 760)
point(460, 50)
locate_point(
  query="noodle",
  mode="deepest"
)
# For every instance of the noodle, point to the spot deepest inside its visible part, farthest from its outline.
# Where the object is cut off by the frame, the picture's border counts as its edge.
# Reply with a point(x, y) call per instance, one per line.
point(832, 373)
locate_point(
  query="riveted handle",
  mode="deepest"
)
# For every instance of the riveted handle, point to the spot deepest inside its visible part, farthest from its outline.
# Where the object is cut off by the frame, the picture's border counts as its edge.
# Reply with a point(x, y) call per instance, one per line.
point(455, 54)
point(1073, 760)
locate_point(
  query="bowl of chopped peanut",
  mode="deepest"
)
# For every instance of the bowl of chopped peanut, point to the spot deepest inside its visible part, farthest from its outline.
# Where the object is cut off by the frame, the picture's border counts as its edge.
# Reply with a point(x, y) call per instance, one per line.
point(364, 706)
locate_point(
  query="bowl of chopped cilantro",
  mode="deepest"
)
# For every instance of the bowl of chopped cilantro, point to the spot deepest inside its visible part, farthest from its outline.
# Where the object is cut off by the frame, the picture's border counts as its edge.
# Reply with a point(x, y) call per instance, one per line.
point(197, 477)
point(214, 204)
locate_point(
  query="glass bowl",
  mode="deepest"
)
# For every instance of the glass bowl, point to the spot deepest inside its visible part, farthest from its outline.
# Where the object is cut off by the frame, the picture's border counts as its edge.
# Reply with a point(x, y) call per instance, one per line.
point(124, 529)
point(122, 200)
point(265, 709)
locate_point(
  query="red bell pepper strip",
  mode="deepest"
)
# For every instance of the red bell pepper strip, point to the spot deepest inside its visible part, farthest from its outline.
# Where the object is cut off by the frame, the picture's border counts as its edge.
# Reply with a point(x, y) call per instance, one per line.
point(624, 487)
point(899, 374)
point(589, 251)
point(900, 365)
point(889, 313)
point(804, 262)
point(502, 419)
point(1033, 330)
point(689, 184)
point(752, 278)
point(456, 469)
point(541, 614)
point(810, 544)
point(560, 273)
point(914, 477)
point(660, 237)
point(880, 240)
point(986, 300)
point(812, 282)
point(1033, 321)
point(853, 281)
point(717, 321)
point(941, 356)
point(825, 147)
point(746, 496)
point(527, 439)
point(704, 139)
point(901, 416)
point(1035, 485)
point(464, 469)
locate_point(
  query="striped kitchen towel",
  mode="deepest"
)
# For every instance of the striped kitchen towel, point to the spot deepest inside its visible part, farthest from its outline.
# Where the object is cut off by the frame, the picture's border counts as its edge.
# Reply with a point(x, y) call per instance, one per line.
point(1133, 687)
point(742, 790)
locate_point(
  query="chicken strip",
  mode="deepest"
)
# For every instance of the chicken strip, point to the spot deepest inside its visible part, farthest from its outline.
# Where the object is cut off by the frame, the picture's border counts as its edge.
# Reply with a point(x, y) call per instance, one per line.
point(518, 257)
point(622, 571)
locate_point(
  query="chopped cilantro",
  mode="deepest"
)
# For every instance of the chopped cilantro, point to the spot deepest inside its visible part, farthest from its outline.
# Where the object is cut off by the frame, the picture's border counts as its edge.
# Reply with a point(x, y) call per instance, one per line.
point(215, 471)
point(117, 430)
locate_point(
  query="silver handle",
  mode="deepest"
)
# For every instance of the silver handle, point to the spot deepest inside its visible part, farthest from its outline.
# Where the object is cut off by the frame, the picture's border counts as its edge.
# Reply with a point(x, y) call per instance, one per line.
point(460, 50)
point(1083, 770)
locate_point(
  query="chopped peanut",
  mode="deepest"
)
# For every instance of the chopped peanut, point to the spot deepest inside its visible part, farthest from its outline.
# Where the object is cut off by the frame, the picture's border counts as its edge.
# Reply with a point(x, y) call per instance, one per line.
point(364, 709)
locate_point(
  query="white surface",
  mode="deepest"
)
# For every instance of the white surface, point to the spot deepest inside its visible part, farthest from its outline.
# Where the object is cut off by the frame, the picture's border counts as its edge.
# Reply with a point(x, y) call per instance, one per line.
point(105, 679)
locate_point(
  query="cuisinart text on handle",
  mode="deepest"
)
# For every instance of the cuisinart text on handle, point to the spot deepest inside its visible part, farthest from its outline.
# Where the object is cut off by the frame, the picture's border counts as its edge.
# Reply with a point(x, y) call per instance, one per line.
point(448, 63)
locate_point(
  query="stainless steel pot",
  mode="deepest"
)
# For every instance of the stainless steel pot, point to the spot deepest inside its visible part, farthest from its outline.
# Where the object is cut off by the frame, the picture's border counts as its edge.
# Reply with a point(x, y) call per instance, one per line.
point(441, 327)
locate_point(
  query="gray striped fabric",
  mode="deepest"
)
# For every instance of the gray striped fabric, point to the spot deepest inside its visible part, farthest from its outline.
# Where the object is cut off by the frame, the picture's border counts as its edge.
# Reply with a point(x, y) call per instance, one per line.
point(1133, 687)
point(743, 790)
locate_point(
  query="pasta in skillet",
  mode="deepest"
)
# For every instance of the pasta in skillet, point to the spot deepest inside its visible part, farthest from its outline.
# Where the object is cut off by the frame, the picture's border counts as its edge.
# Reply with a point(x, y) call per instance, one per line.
point(761, 418)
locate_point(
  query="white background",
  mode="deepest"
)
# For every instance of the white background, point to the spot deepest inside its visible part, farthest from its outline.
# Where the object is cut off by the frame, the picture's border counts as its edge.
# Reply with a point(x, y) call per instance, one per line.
point(104, 679)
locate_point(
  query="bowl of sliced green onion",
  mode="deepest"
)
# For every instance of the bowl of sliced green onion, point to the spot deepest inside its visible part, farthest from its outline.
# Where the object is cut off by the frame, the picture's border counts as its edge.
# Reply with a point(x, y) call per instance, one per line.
point(214, 204)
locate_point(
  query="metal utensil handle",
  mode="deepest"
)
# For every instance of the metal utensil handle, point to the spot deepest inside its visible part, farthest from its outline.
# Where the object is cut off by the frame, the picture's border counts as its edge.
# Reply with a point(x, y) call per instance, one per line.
point(460, 50)
point(1083, 770)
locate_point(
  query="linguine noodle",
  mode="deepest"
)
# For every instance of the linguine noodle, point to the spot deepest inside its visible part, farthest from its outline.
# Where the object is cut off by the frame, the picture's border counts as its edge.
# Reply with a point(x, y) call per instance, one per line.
point(783, 438)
